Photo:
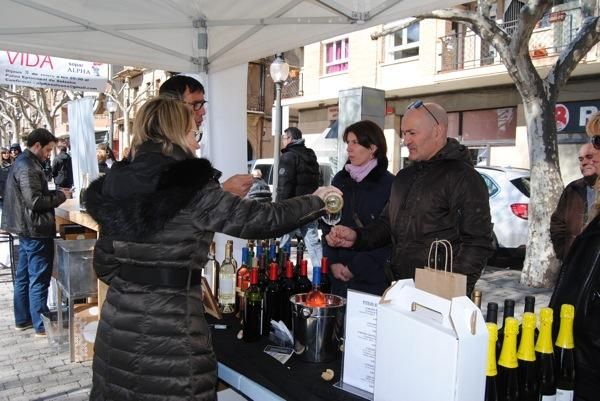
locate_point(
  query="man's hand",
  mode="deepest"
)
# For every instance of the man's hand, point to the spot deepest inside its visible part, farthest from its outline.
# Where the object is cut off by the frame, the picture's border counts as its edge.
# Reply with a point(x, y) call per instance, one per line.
point(341, 237)
point(238, 184)
point(341, 272)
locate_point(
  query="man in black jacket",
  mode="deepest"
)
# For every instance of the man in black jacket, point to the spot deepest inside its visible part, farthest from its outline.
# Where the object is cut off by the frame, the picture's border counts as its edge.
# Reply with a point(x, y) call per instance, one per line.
point(62, 168)
point(299, 175)
point(440, 196)
point(29, 213)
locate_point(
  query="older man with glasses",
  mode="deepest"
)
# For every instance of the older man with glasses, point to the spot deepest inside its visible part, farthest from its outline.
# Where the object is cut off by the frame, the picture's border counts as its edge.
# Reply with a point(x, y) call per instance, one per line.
point(191, 92)
point(440, 196)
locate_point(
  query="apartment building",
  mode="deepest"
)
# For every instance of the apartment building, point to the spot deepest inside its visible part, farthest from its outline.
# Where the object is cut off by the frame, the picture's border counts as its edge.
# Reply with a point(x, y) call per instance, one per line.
point(444, 62)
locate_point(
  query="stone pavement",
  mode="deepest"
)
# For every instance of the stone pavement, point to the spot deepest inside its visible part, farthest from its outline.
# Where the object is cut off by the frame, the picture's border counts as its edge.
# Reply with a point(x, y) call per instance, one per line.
point(32, 369)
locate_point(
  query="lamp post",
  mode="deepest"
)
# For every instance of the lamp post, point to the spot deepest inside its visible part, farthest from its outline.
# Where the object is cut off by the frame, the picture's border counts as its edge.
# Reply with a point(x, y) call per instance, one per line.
point(111, 106)
point(279, 73)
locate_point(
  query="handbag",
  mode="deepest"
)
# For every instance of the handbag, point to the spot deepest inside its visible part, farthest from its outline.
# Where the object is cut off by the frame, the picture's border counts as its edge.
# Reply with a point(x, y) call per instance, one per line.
point(443, 283)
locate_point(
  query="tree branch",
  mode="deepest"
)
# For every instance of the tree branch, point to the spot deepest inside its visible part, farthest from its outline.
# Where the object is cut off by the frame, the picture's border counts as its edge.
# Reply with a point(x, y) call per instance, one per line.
point(529, 16)
point(389, 31)
point(587, 36)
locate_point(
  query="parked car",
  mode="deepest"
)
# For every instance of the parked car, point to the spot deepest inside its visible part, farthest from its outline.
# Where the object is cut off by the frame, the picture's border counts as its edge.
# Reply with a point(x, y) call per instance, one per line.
point(508, 189)
point(266, 167)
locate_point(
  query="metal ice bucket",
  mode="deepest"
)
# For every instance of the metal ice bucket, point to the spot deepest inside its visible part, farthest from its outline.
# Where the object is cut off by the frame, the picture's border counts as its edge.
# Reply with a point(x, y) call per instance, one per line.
point(318, 330)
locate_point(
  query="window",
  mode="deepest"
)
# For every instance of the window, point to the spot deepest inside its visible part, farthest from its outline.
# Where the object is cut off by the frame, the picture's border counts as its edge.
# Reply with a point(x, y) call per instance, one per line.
point(336, 56)
point(490, 184)
point(404, 43)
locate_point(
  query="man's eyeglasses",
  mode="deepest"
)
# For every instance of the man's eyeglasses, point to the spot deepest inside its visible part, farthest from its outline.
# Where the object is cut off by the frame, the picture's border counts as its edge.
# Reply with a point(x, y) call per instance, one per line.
point(197, 105)
point(419, 103)
point(595, 140)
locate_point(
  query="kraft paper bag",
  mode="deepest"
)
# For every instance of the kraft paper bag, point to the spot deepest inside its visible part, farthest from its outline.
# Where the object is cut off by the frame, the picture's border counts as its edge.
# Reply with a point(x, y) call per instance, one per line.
point(444, 283)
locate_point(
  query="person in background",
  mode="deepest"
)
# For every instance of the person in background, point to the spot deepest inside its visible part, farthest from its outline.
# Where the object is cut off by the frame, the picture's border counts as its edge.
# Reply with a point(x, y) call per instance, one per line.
point(158, 215)
point(365, 183)
point(15, 151)
point(102, 157)
point(575, 205)
point(125, 154)
point(299, 175)
point(62, 167)
point(29, 213)
point(440, 196)
point(260, 189)
point(579, 285)
point(5, 164)
point(191, 92)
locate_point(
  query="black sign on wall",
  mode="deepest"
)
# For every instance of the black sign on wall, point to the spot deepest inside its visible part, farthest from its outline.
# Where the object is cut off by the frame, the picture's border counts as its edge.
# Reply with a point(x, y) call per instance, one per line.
point(571, 117)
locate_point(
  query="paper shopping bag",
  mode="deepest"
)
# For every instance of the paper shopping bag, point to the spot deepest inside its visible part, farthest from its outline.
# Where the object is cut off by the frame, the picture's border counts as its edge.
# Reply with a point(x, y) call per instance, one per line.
point(444, 283)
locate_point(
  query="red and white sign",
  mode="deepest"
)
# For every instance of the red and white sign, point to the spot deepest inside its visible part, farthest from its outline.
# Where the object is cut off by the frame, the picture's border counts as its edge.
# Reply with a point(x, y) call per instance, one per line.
point(561, 112)
point(25, 69)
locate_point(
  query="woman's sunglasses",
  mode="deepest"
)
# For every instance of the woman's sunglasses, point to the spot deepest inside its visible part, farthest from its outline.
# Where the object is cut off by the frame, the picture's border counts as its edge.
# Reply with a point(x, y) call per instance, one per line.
point(198, 136)
point(595, 140)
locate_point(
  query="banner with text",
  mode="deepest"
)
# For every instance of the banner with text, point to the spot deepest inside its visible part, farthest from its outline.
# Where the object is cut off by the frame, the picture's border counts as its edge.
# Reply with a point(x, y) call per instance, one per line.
point(25, 69)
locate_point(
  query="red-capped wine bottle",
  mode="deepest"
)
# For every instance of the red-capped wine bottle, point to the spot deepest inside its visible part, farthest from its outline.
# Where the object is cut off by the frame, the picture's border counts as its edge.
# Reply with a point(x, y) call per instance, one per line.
point(272, 299)
point(325, 281)
point(288, 288)
point(303, 284)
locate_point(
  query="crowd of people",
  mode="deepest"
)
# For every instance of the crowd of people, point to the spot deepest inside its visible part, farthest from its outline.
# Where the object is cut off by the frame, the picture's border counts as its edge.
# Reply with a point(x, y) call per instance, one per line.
point(159, 207)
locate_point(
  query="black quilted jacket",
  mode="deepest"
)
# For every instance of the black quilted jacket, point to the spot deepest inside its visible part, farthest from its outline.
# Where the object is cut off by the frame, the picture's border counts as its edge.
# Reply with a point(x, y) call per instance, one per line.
point(153, 342)
point(298, 171)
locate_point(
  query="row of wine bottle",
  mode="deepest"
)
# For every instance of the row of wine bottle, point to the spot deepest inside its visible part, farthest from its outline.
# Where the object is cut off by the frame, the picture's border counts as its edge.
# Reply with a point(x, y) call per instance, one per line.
point(276, 273)
point(537, 369)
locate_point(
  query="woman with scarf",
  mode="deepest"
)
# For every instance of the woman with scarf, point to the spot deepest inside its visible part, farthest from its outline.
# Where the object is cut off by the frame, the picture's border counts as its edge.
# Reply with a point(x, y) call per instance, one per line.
point(365, 183)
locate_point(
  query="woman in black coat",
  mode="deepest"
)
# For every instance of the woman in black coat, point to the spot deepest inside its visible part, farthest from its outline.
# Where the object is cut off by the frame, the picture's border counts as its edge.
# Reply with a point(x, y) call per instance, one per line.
point(157, 216)
point(365, 183)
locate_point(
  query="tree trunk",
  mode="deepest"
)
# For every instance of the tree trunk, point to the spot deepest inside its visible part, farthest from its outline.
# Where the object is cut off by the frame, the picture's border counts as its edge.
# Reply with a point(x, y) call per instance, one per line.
point(540, 268)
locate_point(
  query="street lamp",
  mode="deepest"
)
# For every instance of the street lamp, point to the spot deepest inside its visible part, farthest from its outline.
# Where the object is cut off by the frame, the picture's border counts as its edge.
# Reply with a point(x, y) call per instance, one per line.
point(111, 106)
point(279, 73)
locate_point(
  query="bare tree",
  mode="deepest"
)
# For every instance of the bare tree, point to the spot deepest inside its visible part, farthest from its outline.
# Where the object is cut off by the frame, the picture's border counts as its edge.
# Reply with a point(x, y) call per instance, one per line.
point(539, 95)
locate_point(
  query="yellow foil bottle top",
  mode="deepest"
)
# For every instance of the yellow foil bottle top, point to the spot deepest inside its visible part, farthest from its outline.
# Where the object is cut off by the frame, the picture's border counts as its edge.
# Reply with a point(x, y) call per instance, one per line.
point(508, 354)
point(491, 368)
point(544, 342)
point(565, 332)
point(526, 347)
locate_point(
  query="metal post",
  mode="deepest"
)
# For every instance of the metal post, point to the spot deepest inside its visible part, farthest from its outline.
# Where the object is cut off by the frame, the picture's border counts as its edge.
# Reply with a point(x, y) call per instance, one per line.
point(277, 139)
point(111, 130)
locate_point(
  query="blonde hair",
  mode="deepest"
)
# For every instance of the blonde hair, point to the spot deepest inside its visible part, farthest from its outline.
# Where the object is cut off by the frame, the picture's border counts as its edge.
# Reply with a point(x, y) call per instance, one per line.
point(592, 128)
point(163, 120)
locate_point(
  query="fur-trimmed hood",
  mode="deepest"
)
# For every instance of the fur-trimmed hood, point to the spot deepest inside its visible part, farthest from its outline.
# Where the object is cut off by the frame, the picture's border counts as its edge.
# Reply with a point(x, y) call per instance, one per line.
point(135, 200)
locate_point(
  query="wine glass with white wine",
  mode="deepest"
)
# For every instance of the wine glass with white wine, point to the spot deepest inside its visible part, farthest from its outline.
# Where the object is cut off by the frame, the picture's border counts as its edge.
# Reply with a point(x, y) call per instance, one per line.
point(333, 208)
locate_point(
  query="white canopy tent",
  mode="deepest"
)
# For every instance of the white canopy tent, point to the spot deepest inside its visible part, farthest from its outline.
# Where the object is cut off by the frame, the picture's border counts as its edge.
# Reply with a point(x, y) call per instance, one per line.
point(215, 38)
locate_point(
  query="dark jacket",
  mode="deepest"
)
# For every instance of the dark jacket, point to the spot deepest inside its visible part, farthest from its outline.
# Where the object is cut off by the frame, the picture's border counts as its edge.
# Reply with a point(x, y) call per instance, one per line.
point(441, 198)
point(28, 204)
point(298, 171)
point(161, 212)
point(62, 170)
point(363, 202)
point(579, 285)
point(570, 217)
point(4, 170)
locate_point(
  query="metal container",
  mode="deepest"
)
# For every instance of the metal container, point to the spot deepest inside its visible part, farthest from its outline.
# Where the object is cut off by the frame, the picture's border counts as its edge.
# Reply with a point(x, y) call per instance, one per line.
point(318, 330)
point(76, 275)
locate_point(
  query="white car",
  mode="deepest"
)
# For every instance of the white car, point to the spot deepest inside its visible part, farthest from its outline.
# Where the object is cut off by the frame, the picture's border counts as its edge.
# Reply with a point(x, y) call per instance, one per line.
point(508, 189)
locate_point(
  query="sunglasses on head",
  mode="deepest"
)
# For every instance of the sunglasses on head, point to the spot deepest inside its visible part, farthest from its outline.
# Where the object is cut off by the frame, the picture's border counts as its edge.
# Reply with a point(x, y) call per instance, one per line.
point(197, 105)
point(418, 104)
point(595, 140)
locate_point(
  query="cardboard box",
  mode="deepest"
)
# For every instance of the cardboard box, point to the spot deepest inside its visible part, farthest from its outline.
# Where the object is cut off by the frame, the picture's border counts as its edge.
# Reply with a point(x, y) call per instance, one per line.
point(429, 348)
point(85, 324)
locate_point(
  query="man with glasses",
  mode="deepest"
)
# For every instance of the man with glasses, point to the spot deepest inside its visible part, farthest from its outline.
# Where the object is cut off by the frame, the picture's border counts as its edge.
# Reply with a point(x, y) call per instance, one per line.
point(191, 92)
point(576, 203)
point(440, 196)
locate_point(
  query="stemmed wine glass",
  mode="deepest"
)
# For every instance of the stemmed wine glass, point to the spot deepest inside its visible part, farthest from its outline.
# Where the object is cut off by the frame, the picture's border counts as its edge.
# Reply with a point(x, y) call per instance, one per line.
point(333, 208)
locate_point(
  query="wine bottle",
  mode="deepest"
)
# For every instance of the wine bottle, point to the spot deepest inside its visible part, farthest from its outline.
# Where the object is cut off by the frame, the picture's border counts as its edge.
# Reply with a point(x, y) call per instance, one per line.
point(529, 307)
point(491, 371)
point(476, 298)
point(315, 298)
point(288, 288)
point(325, 280)
point(211, 270)
point(272, 299)
point(242, 281)
point(303, 284)
point(263, 274)
point(528, 375)
point(545, 356)
point(509, 311)
point(299, 256)
point(508, 366)
point(564, 356)
point(227, 278)
point(491, 315)
point(253, 309)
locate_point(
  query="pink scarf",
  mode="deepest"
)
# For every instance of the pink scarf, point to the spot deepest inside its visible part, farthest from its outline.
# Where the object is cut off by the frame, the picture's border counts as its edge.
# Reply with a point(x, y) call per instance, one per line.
point(358, 173)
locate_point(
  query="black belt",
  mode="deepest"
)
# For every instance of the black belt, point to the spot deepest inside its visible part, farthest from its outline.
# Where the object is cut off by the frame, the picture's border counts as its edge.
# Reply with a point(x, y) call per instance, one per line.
point(167, 277)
